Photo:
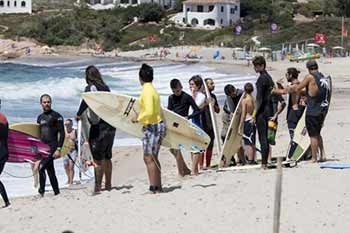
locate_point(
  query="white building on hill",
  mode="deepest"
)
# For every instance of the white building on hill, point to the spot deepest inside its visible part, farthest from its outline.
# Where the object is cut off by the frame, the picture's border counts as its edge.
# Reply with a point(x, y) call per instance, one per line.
point(124, 3)
point(209, 13)
point(15, 6)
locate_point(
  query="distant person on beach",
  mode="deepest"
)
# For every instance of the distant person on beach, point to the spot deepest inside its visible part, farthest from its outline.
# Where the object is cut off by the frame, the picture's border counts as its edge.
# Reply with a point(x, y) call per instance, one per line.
point(196, 87)
point(180, 103)
point(264, 105)
point(247, 125)
point(208, 126)
point(233, 96)
point(101, 135)
point(317, 90)
point(52, 133)
point(69, 159)
point(153, 127)
point(4, 154)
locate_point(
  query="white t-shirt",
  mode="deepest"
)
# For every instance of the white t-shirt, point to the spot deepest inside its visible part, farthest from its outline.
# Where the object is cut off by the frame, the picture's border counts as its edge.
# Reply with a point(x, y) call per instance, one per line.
point(199, 99)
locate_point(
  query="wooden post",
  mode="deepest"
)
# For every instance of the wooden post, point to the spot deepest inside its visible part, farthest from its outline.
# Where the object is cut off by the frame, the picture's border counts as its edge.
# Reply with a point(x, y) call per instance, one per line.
point(278, 194)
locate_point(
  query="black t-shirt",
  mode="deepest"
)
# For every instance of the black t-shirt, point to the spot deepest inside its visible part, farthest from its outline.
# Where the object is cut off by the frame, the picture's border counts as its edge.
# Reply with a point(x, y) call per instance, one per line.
point(231, 103)
point(264, 86)
point(181, 105)
point(51, 129)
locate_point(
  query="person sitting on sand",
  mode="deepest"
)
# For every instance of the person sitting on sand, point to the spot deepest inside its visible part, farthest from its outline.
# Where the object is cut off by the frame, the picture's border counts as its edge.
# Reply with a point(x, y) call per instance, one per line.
point(317, 106)
point(153, 127)
point(69, 159)
point(4, 154)
point(180, 103)
point(247, 125)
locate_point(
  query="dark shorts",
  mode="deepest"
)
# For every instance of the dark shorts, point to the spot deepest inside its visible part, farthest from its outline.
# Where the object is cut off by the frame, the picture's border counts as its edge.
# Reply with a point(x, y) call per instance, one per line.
point(314, 124)
point(2, 165)
point(102, 149)
point(249, 133)
point(153, 135)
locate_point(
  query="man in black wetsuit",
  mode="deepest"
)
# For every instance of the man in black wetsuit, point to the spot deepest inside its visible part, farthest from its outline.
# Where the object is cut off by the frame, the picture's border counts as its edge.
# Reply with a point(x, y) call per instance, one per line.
point(51, 133)
point(3, 154)
point(264, 105)
point(180, 103)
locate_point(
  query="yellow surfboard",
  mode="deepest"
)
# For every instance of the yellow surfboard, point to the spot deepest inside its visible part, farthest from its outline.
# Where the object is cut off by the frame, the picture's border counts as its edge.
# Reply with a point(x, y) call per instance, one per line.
point(33, 130)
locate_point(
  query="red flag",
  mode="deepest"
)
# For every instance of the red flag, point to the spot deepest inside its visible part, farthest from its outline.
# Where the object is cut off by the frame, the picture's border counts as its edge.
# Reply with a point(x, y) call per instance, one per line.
point(320, 38)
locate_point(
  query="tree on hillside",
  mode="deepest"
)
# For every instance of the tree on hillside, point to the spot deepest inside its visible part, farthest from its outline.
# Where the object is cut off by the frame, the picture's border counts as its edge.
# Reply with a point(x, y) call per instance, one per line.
point(150, 12)
point(329, 7)
point(343, 7)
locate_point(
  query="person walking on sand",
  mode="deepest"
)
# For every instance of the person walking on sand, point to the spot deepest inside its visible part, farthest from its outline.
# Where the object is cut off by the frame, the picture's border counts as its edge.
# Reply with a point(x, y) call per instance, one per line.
point(317, 91)
point(101, 135)
point(247, 125)
point(264, 108)
point(69, 159)
point(4, 154)
point(153, 127)
point(233, 96)
point(180, 103)
point(52, 133)
point(208, 126)
point(196, 87)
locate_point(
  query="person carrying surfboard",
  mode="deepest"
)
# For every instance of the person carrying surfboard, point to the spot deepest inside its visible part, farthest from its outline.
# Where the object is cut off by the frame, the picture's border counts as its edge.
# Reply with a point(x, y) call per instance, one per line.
point(247, 125)
point(317, 93)
point(4, 128)
point(52, 133)
point(264, 108)
point(196, 87)
point(180, 103)
point(153, 127)
point(208, 125)
point(233, 96)
point(101, 134)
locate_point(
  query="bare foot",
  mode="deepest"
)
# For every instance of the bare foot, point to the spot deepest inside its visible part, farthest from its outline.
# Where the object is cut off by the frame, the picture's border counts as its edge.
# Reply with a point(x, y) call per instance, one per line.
point(322, 159)
point(264, 166)
point(313, 161)
point(194, 174)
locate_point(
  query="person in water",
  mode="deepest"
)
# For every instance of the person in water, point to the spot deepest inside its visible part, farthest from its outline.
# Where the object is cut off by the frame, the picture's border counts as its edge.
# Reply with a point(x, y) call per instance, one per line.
point(52, 133)
point(153, 127)
point(101, 135)
point(180, 103)
point(3, 154)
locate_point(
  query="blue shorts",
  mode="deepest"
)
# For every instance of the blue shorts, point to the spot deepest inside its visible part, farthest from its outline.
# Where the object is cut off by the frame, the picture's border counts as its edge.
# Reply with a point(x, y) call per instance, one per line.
point(153, 135)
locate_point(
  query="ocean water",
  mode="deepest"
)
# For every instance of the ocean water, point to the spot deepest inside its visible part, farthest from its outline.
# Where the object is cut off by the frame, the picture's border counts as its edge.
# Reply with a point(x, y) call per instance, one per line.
point(22, 83)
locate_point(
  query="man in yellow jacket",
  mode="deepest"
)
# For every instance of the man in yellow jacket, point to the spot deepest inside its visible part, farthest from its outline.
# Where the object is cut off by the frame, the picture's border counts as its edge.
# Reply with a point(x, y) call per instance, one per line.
point(153, 127)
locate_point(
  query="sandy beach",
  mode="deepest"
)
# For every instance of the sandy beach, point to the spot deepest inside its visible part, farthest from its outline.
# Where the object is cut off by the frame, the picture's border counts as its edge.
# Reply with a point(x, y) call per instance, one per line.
point(313, 199)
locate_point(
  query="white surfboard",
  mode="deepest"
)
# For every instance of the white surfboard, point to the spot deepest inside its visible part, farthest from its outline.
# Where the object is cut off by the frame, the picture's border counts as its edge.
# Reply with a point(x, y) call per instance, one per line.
point(213, 119)
point(233, 140)
point(118, 110)
point(84, 152)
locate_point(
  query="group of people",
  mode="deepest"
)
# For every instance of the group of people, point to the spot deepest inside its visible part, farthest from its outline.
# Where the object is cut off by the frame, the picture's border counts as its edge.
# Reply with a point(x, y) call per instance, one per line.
point(255, 115)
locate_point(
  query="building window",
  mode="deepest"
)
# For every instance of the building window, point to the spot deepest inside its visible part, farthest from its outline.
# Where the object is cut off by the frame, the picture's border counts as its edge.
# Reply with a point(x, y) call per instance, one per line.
point(232, 10)
point(23, 4)
point(134, 2)
point(199, 8)
point(8, 3)
point(124, 1)
point(1, 3)
point(188, 9)
point(211, 7)
point(222, 9)
point(183, 20)
point(15, 3)
point(221, 21)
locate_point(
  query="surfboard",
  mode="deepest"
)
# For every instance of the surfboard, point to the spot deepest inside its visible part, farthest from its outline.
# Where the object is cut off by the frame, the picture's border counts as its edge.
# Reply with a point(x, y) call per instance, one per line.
point(233, 140)
point(33, 130)
point(84, 151)
point(213, 119)
point(301, 140)
point(23, 147)
point(335, 166)
point(119, 110)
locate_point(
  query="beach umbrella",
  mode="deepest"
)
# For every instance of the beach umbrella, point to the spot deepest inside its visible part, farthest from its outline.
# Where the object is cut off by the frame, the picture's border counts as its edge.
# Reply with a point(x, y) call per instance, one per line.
point(264, 49)
point(238, 49)
point(338, 48)
point(313, 45)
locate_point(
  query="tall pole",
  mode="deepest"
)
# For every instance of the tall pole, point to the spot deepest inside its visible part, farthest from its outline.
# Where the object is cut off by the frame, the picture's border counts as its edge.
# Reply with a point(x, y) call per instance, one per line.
point(278, 194)
point(342, 31)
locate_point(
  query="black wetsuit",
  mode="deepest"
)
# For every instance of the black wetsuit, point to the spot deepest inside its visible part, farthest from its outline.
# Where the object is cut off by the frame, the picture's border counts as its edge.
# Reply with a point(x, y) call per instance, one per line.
point(3, 154)
point(181, 105)
point(51, 133)
point(101, 135)
point(207, 122)
point(264, 110)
